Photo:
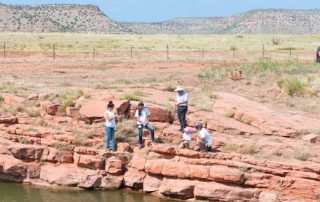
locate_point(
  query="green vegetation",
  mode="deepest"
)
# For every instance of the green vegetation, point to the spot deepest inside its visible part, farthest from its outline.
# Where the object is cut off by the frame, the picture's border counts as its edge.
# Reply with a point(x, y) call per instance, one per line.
point(126, 131)
point(134, 95)
point(301, 153)
point(33, 112)
point(102, 86)
point(170, 87)
point(292, 86)
point(242, 149)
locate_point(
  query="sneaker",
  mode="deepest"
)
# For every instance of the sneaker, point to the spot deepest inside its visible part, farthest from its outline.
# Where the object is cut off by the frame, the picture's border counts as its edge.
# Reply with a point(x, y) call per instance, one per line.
point(153, 143)
point(141, 146)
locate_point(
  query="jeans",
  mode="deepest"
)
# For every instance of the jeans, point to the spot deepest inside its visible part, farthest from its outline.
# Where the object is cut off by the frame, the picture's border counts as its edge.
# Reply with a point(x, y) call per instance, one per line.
point(110, 138)
point(318, 59)
point(182, 111)
point(140, 132)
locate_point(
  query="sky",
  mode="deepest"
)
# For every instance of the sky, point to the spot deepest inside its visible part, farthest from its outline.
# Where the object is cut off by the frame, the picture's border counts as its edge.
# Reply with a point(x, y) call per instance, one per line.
point(161, 10)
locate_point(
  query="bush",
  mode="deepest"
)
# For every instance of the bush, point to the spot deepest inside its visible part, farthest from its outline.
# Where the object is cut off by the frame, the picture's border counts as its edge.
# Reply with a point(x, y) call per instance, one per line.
point(301, 153)
point(102, 86)
point(292, 86)
point(242, 149)
point(82, 135)
point(126, 131)
point(33, 112)
point(218, 74)
point(1, 99)
point(170, 87)
point(135, 95)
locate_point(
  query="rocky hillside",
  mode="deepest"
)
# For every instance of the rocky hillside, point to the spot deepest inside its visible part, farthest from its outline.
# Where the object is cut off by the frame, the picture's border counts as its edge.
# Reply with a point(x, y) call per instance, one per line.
point(56, 18)
point(88, 18)
point(270, 21)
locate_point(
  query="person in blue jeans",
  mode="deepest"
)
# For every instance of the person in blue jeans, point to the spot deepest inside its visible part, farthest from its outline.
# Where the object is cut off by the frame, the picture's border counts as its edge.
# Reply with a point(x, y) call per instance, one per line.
point(142, 114)
point(182, 107)
point(110, 126)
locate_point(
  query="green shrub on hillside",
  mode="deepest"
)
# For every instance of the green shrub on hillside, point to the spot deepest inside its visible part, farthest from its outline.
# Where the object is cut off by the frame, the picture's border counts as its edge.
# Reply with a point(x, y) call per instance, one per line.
point(292, 86)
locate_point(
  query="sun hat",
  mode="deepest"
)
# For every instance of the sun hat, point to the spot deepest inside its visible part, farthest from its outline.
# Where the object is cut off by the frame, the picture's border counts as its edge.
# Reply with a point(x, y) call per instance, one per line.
point(187, 130)
point(179, 88)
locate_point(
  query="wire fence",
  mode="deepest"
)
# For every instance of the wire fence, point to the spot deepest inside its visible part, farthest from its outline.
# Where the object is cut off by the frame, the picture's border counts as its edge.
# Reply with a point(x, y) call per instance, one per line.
point(54, 53)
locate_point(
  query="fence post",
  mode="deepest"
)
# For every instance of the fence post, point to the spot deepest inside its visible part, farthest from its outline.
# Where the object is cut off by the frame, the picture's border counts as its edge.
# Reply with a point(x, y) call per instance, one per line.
point(263, 50)
point(202, 54)
point(4, 50)
point(234, 53)
point(290, 53)
point(54, 52)
point(131, 52)
point(93, 54)
point(167, 52)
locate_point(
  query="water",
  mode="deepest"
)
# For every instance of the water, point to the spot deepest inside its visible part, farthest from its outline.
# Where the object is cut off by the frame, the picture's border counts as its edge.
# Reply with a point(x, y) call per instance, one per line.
point(10, 192)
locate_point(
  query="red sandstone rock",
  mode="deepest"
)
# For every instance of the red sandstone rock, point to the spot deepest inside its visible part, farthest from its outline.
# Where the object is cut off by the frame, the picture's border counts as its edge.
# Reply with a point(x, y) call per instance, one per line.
point(90, 181)
point(152, 183)
point(86, 150)
point(218, 192)
point(164, 149)
point(154, 166)
point(114, 166)
point(170, 168)
point(11, 99)
point(91, 162)
point(312, 138)
point(138, 163)
point(268, 197)
point(199, 172)
point(134, 178)
point(26, 152)
point(181, 189)
point(52, 109)
point(54, 155)
point(111, 182)
point(8, 120)
point(226, 175)
point(33, 96)
point(72, 111)
point(124, 147)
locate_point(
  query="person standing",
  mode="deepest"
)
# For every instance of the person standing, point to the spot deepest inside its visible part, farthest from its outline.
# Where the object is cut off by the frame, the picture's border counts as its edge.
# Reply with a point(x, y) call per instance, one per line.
point(110, 126)
point(204, 138)
point(181, 106)
point(142, 114)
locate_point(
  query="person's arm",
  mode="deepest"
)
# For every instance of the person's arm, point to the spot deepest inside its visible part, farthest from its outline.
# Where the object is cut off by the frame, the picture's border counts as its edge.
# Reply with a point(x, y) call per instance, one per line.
point(183, 101)
point(148, 115)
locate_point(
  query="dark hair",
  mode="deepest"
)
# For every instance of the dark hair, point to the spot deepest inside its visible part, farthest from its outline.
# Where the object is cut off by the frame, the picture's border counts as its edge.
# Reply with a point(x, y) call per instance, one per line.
point(141, 104)
point(110, 104)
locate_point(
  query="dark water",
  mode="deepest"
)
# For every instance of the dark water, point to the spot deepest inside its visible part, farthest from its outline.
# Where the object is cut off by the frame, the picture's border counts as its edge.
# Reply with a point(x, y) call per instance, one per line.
point(10, 192)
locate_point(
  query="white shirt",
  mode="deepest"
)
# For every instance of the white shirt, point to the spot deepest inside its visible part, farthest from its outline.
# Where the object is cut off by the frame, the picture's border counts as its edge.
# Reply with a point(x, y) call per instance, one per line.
point(181, 98)
point(110, 123)
point(143, 118)
point(187, 137)
point(203, 133)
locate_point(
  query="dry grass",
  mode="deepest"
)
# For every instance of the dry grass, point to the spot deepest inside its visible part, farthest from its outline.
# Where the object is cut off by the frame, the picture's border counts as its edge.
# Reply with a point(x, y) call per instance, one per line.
point(242, 149)
point(126, 131)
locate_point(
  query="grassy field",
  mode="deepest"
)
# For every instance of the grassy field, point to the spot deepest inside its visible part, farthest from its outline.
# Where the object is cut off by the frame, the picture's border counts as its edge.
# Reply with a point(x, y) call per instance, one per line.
point(85, 42)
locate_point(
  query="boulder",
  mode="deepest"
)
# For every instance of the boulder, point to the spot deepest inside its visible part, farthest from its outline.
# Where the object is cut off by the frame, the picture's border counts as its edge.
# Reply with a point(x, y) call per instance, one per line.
point(266, 196)
point(111, 182)
point(199, 172)
point(91, 162)
point(181, 189)
point(154, 166)
point(72, 111)
point(225, 174)
point(138, 162)
point(86, 151)
point(218, 192)
point(114, 166)
point(152, 183)
point(124, 147)
point(90, 182)
point(134, 178)
point(52, 109)
point(54, 155)
point(26, 152)
point(312, 138)
point(94, 109)
point(8, 120)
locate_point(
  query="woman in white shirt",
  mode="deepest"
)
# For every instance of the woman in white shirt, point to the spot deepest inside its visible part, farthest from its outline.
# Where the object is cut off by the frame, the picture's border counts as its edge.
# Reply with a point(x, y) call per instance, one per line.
point(110, 126)
point(142, 114)
point(204, 138)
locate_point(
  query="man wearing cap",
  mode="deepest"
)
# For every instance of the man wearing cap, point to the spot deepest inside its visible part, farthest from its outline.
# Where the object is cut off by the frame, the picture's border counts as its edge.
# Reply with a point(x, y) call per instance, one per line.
point(181, 106)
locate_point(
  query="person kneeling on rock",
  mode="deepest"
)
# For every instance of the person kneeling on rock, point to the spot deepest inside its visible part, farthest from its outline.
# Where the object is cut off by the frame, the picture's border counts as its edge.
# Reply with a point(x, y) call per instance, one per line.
point(186, 138)
point(204, 138)
point(142, 114)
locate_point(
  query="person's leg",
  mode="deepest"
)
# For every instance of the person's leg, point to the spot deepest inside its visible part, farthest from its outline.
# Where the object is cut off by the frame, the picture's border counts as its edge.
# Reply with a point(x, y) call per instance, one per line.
point(151, 129)
point(183, 117)
point(179, 112)
point(113, 141)
point(140, 133)
point(108, 132)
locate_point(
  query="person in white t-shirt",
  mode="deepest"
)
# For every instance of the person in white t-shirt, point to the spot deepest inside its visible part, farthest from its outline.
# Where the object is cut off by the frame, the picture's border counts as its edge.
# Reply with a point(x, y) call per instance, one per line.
point(142, 114)
point(204, 138)
point(186, 138)
point(110, 126)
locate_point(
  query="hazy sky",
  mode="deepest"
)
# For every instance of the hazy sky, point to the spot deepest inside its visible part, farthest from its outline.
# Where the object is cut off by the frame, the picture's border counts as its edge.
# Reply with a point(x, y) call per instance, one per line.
point(159, 10)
